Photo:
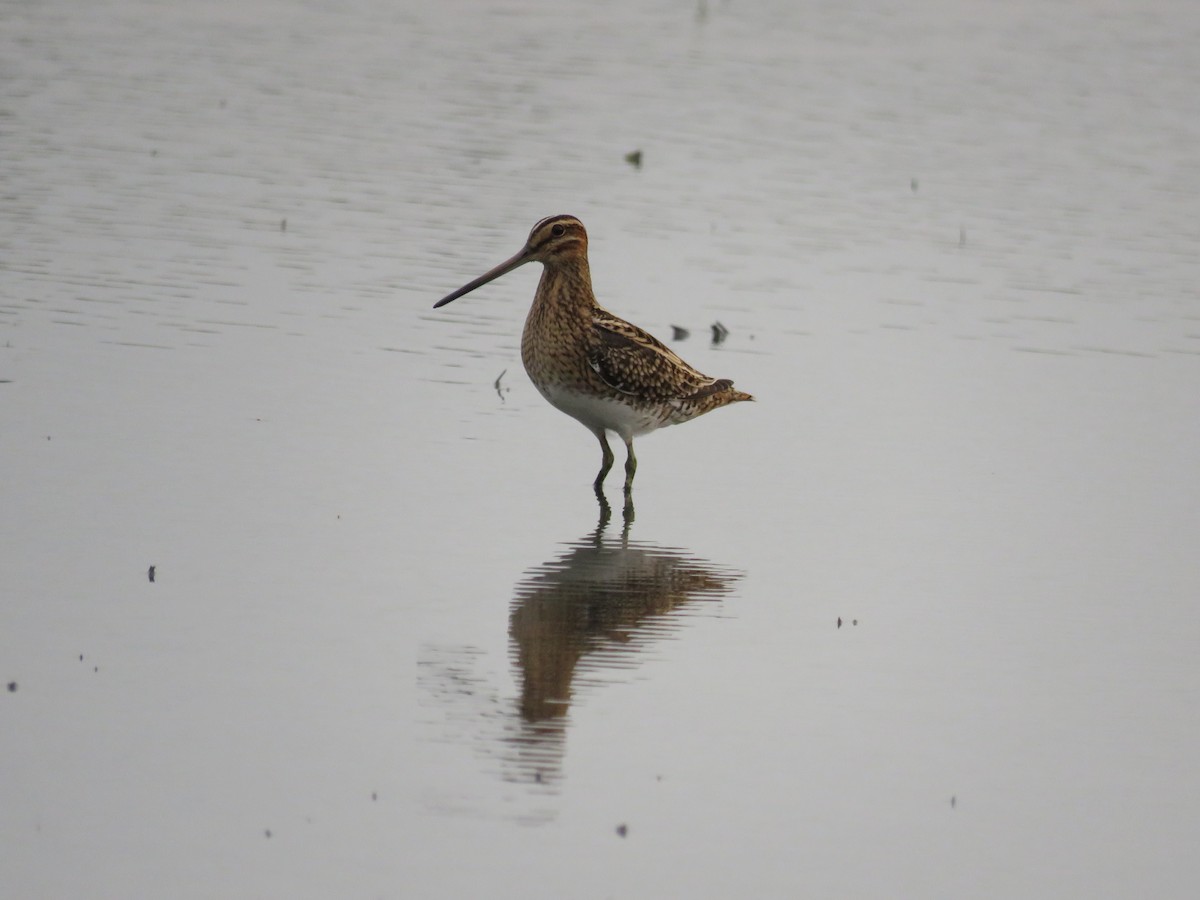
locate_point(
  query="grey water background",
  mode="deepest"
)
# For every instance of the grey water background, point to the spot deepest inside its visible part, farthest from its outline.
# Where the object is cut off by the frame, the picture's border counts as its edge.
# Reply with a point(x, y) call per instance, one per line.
point(921, 622)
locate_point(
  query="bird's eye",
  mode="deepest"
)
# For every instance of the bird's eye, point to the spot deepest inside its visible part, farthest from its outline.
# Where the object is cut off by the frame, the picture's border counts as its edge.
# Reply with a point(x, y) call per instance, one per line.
point(558, 230)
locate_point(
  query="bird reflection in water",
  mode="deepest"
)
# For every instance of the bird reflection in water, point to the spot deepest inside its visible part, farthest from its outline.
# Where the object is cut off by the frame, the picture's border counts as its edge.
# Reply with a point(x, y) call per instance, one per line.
point(596, 606)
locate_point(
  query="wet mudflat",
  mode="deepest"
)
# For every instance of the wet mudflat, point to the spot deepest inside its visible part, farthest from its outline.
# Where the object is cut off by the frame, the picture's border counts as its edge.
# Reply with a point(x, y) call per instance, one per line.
point(919, 622)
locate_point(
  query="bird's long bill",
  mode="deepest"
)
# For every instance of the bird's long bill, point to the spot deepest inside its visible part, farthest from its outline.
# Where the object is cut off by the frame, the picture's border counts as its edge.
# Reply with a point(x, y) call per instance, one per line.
point(507, 266)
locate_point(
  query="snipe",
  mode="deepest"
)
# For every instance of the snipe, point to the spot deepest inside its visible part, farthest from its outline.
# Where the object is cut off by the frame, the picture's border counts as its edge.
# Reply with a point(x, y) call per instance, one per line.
point(592, 365)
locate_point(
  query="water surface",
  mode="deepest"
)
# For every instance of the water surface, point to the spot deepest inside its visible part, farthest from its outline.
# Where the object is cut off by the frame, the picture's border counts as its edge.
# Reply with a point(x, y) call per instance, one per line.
point(919, 622)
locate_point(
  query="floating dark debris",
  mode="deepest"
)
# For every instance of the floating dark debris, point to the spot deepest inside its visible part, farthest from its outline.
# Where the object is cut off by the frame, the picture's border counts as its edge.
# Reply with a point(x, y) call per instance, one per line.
point(12, 687)
point(679, 333)
point(622, 830)
point(719, 332)
point(913, 185)
point(496, 385)
point(150, 572)
point(283, 224)
point(634, 158)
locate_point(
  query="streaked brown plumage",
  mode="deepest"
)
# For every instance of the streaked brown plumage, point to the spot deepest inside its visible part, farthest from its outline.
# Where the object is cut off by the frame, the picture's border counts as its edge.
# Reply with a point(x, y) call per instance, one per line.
point(592, 365)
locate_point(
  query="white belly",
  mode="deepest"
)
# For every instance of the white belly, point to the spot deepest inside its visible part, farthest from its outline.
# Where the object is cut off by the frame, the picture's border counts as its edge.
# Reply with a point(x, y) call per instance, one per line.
point(601, 412)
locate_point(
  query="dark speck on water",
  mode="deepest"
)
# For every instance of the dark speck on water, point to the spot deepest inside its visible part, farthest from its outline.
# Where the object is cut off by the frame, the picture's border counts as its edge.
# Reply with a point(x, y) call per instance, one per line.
point(634, 158)
point(679, 333)
point(719, 332)
point(150, 572)
point(622, 830)
point(12, 687)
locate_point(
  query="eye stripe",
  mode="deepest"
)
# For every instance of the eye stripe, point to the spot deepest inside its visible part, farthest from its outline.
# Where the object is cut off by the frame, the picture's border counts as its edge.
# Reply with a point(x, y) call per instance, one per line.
point(543, 234)
point(549, 220)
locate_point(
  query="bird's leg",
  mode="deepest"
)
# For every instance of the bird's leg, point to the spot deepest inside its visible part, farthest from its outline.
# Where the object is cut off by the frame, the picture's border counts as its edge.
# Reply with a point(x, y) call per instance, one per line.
point(630, 465)
point(605, 513)
point(606, 461)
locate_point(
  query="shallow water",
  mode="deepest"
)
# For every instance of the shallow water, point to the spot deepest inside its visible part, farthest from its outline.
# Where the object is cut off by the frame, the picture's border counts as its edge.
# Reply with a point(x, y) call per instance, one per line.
point(919, 622)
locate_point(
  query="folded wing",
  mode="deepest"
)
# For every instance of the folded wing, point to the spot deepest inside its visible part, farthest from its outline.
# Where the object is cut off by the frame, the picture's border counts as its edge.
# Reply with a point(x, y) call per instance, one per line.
point(633, 362)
